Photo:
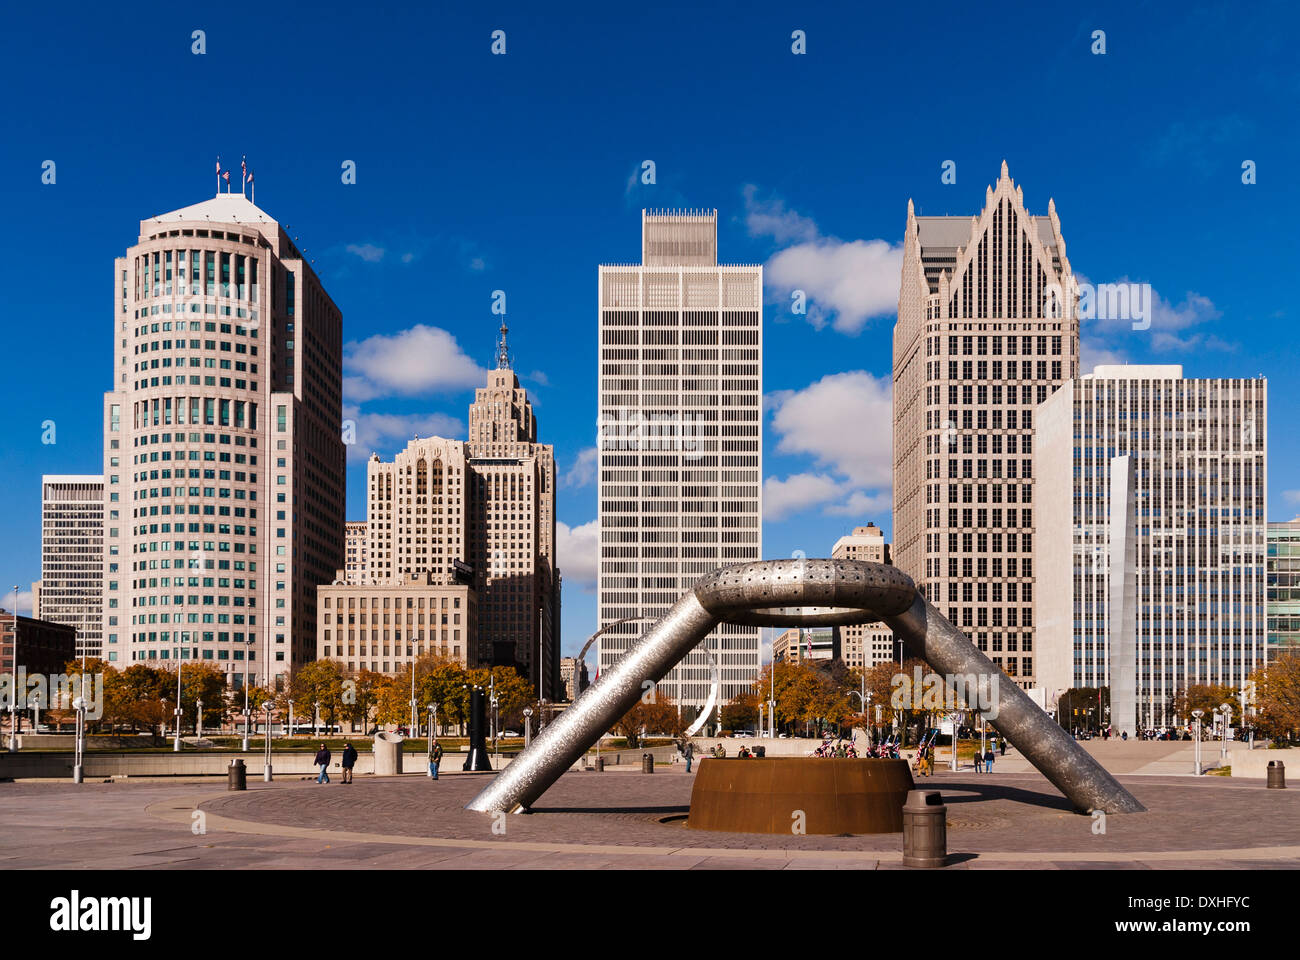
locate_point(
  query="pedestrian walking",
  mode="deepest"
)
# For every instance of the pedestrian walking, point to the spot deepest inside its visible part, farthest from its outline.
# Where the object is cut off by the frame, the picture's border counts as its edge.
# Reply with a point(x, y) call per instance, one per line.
point(349, 760)
point(979, 762)
point(1002, 746)
point(323, 761)
point(988, 759)
point(435, 758)
point(689, 753)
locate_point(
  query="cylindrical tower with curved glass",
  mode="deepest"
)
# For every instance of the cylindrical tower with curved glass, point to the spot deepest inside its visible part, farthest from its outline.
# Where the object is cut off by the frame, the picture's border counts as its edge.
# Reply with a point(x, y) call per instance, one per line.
point(223, 457)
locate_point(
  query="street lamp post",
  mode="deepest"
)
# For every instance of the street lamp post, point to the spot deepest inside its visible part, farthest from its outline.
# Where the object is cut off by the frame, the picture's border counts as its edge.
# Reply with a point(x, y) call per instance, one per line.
point(415, 716)
point(13, 675)
point(198, 719)
point(771, 701)
point(78, 769)
point(1251, 736)
point(1196, 738)
point(1226, 710)
point(249, 642)
point(266, 767)
point(528, 726)
point(176, 747)
point(315, 721)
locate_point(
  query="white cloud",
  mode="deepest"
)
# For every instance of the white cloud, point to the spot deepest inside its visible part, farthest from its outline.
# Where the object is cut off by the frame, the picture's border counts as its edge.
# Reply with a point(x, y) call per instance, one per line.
point(801, 492)
point(477, 264)
point(577, 552)
point(772, 219)
point(844, 421)
point(1290, 496)
point(1171, 327)
point(422, 359)
point(859, 503)
point(1093, 354)
point(24, 606)
point(583, 470)
point(366, 251)
point(846, 282)
point(797, 493)
point(386, 433)
point(539, 377)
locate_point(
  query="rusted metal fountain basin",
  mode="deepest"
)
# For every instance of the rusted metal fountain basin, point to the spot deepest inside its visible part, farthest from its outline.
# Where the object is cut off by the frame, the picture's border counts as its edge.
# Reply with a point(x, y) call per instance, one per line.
point(815, 795)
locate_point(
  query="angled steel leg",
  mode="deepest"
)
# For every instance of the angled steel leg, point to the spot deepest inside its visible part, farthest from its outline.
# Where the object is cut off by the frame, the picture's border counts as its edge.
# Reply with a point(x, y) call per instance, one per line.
point(1052, 751)
point(601, 705)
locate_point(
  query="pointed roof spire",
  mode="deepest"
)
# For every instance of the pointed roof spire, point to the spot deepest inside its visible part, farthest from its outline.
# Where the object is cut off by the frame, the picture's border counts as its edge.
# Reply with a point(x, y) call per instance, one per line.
point(1005, 174)
point(503, 351)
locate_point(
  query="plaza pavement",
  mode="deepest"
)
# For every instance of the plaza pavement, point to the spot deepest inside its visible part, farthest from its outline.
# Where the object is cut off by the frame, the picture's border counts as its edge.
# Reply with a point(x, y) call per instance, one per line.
point(616, 820)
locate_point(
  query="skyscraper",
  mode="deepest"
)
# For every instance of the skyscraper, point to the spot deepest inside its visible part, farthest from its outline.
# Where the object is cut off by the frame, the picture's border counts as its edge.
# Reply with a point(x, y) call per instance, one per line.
point(681, 458)
point(980, 340)
point(863, 645)
point(1151, 566)
point(223, 456)
point(489, 503)
point(71, 588)
point(512, 527)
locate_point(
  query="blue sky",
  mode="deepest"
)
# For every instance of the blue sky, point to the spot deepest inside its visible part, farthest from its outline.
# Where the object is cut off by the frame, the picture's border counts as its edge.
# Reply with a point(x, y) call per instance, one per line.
point(478, 172)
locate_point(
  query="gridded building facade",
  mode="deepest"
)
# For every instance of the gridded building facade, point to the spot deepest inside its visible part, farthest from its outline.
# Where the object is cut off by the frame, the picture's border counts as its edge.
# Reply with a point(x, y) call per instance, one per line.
point(1283, 588)
point(980, 340)
point(1186, 596)
point(223, 455)
point(863, 645)
point(385, 627)
point(680, 444)
point(71, 588)
point(356, 538)
point(488, 503)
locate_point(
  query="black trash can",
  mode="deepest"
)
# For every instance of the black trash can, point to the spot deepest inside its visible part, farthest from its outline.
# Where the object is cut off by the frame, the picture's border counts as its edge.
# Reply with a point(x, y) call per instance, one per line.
point(925, 829)
point(237, 775)
point(1276, 775)
point(760, 751)
point(647, 763)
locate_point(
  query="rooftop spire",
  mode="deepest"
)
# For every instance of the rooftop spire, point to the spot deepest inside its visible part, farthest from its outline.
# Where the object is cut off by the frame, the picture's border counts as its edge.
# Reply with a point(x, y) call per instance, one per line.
point(503, 352)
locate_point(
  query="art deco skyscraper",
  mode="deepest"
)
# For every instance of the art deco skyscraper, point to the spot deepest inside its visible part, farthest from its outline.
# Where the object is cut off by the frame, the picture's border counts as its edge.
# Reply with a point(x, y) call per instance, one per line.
point(979, 342)
point(681, 459)
point(488, 502)
point(223, 456)
point(512, 527)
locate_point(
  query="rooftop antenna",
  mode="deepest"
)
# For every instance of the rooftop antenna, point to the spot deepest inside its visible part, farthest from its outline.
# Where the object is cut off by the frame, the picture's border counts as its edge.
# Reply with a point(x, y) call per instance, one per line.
point(503, 351)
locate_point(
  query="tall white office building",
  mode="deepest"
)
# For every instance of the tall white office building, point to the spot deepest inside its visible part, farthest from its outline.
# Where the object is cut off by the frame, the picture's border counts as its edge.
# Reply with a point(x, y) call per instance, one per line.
point(224, 463)
point(1152, 537)
point(71, 588)
point(681, 457)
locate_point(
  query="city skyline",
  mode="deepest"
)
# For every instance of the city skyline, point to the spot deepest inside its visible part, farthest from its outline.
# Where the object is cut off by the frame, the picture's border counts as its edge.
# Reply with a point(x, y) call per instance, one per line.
point(411, 276)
